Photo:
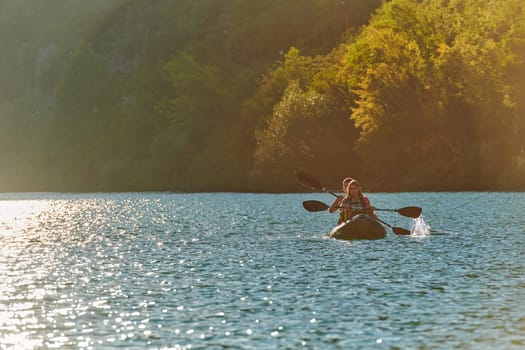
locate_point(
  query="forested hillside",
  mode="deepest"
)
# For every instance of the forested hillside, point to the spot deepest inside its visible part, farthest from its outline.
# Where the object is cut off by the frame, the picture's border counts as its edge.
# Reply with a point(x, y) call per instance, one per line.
point(235, 95)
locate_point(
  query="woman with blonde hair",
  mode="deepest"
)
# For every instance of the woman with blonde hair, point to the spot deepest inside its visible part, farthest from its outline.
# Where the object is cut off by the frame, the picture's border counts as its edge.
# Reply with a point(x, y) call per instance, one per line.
point(354, 201)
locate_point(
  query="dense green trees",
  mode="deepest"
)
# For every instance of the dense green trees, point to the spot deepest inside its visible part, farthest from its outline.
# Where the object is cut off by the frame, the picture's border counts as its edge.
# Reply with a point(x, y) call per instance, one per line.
point(437, 89)
point(306, 126)
point(236, 95)
point(427, 86)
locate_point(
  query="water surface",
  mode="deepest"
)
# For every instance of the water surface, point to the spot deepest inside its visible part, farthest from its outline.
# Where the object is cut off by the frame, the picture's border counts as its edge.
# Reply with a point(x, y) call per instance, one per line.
point(253, 271)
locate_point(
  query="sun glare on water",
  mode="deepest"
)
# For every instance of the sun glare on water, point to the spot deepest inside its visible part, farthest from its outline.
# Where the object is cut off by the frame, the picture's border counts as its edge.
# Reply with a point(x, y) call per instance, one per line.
point(46, 254)
point(20, 215)
point(19, 292)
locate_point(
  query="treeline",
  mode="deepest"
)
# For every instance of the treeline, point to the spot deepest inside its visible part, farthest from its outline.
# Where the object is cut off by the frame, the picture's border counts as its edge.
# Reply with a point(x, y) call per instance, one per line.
point(234, 95)
point(435, 89)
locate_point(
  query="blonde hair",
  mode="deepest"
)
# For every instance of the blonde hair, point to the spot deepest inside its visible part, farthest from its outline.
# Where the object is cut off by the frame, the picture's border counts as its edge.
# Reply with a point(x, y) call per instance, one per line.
point(347, 179)
point(355, 182)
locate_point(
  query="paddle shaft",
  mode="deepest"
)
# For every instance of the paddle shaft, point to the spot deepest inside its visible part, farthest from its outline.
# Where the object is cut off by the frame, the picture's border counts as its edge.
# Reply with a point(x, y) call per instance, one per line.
point(396, 230)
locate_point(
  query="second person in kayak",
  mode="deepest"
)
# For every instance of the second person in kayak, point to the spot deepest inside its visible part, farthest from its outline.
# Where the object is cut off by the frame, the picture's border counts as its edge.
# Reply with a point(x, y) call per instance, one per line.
point(354, 202)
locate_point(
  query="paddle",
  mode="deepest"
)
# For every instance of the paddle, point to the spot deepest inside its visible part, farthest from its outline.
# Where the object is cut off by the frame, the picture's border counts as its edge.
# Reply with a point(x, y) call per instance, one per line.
point(396, 230)
point(314, 206)
point(411, 212)
point(311, 182)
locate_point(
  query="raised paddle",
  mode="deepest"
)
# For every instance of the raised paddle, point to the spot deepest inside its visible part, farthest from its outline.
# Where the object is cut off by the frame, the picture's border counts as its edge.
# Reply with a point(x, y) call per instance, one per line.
point(311, 182)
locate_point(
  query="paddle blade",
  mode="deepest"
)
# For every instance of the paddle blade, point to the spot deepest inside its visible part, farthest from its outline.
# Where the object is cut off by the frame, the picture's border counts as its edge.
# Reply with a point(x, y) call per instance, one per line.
point(315, 206)
point(401, 231)
point(309, 181)
point(411, 212)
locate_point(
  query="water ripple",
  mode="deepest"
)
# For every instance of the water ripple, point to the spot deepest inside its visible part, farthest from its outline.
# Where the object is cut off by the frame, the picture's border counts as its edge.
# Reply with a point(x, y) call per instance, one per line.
point(254, 271)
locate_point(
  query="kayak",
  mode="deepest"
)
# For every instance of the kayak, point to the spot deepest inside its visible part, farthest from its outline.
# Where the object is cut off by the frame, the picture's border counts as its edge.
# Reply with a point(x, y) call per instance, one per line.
point(361, 226)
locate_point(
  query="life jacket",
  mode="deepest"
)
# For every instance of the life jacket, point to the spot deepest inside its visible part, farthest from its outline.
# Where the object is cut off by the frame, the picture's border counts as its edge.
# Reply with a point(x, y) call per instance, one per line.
point(356, 207)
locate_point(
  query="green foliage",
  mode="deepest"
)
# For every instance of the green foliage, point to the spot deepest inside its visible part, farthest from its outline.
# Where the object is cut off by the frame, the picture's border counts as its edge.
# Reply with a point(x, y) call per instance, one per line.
point(236, 95)
point(87, 87)
point(193, 111)
point(431, 86)
point(304, 131)
point(87, 97)
point(286, 141)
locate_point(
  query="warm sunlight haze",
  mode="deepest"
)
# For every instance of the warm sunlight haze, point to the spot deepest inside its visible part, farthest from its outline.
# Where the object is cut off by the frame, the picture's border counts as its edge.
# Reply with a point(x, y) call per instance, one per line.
point(262, 174)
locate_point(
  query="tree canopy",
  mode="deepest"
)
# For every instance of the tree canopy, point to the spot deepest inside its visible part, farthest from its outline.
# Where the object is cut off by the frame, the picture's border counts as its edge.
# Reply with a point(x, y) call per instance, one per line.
point(200, 95)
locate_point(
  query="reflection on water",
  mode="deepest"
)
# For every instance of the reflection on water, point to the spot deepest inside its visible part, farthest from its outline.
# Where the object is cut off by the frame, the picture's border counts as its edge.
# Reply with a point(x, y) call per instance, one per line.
point(44, 270)
point(17, 216)
point(253, 271)
point(19, 291)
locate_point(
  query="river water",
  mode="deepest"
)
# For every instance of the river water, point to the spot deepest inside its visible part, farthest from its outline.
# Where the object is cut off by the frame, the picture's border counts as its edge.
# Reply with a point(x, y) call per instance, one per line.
point(253, 271)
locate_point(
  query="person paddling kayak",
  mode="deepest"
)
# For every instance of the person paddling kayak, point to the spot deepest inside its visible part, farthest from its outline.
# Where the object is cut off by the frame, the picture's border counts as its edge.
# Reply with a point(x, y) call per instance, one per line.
point(354, 201)
point(337, 204)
